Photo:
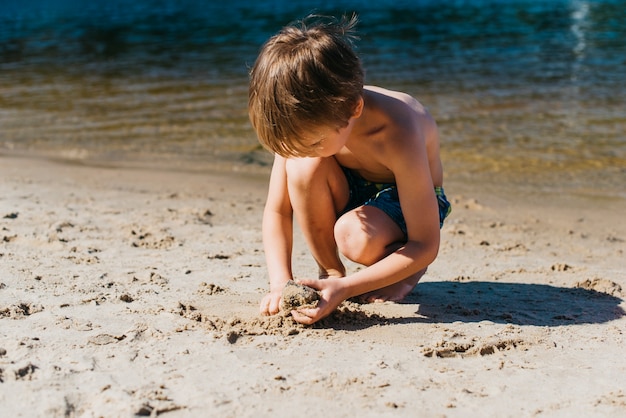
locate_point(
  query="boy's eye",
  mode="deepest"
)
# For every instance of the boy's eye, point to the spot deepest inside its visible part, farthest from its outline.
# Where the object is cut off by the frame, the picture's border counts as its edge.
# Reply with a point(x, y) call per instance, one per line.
point(320, 142)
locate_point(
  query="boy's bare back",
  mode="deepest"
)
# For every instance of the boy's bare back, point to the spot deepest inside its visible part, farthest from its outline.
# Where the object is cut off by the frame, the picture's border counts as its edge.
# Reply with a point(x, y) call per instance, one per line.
point(389, 119)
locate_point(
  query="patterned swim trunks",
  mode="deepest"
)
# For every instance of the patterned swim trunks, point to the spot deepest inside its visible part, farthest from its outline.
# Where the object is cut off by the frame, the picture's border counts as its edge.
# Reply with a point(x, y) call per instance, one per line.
point(384, 196)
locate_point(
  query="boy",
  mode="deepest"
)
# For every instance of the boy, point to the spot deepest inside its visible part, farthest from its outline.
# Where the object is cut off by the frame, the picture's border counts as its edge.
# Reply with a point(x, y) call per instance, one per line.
point(357, 165)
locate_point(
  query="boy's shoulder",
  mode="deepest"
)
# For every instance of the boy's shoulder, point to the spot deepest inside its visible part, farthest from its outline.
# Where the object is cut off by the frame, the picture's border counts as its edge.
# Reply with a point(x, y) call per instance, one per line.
point(393, 100)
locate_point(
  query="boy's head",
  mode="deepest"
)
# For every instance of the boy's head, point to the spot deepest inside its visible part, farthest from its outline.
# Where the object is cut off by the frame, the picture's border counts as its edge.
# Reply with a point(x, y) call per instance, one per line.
point(306, 78)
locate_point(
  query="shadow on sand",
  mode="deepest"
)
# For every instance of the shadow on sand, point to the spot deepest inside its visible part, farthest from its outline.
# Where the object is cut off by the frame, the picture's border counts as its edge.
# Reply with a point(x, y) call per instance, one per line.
point(507, 303)
point(516, 303)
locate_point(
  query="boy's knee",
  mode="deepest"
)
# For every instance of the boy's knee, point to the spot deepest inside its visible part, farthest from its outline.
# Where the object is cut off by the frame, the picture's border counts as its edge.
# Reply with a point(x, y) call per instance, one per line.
point(354, 242)
point(345, 238)
point(302, 171)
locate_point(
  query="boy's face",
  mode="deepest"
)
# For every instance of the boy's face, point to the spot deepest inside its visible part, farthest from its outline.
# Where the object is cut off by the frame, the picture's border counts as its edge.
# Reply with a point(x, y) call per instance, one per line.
point(328, 141)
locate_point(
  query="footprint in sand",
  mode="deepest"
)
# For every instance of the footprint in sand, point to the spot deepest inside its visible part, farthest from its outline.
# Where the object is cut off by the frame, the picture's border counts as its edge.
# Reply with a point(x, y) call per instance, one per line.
point(161, 239)
point(209, 289)
point(20, 310)
point(26, 372)
point(446, 349)
point(601, 285)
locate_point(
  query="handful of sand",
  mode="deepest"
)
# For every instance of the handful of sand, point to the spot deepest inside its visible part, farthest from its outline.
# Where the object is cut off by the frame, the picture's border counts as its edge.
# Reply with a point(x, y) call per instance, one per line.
point(297, 296)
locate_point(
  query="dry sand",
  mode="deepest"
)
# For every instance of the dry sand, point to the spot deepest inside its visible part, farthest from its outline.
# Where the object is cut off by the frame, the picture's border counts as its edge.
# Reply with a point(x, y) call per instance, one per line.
point(135, 292)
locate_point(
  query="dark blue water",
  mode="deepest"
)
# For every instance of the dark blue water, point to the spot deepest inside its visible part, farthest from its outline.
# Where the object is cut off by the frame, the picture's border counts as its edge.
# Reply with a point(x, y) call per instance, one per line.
point(518, 87)
point(468, 43)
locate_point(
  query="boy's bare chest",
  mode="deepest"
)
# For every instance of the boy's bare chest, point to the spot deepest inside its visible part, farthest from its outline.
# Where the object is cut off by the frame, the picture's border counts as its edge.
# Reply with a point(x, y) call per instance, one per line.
point(367, 166)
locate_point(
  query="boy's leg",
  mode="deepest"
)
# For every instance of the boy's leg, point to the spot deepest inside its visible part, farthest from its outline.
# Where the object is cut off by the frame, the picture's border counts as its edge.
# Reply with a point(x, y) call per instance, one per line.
point(318, 190)
point(366, 235)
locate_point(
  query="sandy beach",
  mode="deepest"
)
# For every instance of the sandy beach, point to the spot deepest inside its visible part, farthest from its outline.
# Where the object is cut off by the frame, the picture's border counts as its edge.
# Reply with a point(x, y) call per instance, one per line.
point(134, 292)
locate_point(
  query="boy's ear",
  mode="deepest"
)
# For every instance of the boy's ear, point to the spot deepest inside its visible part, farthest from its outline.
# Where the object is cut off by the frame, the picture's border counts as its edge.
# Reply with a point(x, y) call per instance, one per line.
point(358, 108)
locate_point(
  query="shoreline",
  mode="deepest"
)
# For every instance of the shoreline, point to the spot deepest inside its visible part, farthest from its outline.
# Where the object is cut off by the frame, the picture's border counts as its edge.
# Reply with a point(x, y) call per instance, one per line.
point(134, 291)
point(592, 180)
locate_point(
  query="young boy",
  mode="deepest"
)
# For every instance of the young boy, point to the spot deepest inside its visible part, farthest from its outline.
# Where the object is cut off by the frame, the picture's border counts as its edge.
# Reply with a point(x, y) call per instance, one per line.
point(358, 166)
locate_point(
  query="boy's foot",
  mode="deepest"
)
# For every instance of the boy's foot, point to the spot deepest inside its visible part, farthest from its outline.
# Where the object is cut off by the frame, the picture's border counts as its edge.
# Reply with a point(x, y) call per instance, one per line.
point(395, 292)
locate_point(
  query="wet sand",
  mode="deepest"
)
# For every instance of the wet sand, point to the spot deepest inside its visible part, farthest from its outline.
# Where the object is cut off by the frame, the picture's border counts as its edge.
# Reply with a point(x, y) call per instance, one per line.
point(135, 292)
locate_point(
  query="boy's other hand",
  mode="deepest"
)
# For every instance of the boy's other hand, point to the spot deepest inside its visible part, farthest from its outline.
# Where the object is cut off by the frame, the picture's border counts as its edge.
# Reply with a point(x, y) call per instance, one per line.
point(270, 304)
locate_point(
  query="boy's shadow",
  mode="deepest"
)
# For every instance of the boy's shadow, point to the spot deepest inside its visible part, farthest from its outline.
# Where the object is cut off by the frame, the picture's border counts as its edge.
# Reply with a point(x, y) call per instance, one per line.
point(507, 303)
point(515, 303)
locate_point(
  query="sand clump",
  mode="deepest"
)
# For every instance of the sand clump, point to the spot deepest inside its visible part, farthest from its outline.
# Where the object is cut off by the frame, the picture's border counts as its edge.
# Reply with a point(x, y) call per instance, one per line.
point(297, 296)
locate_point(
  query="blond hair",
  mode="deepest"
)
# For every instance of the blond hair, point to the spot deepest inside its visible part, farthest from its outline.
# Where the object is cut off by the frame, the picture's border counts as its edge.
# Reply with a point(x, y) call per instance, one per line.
point(307, 76)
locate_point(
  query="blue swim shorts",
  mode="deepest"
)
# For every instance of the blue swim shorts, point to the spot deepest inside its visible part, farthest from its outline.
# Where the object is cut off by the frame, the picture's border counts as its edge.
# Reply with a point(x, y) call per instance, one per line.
point(384, 196)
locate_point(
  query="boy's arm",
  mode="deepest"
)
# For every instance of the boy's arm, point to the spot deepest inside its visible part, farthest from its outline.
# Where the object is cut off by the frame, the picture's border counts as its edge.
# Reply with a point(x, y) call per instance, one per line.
point(277, 236)
point(408, 159)
point(409, 162)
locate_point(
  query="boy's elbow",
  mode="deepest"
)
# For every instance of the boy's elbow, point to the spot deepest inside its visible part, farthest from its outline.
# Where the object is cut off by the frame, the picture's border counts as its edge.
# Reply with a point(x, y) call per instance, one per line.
point(428, 250)
point(424, 252)
point(432, 251)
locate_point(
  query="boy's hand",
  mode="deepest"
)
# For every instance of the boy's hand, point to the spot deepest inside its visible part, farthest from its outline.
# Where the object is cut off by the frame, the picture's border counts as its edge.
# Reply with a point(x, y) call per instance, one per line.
point(270, 304)
point(331, 296)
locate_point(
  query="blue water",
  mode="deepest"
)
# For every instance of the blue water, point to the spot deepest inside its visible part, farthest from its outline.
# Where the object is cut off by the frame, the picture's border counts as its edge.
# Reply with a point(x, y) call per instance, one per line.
point(522, 86)
point(466, 42)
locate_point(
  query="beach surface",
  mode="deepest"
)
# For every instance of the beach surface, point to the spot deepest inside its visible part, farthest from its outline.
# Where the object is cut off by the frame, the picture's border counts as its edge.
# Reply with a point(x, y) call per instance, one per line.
point(134, 292)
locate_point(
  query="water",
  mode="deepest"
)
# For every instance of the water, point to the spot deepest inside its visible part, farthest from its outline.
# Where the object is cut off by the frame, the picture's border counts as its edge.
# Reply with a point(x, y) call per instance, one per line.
point(527, 93)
